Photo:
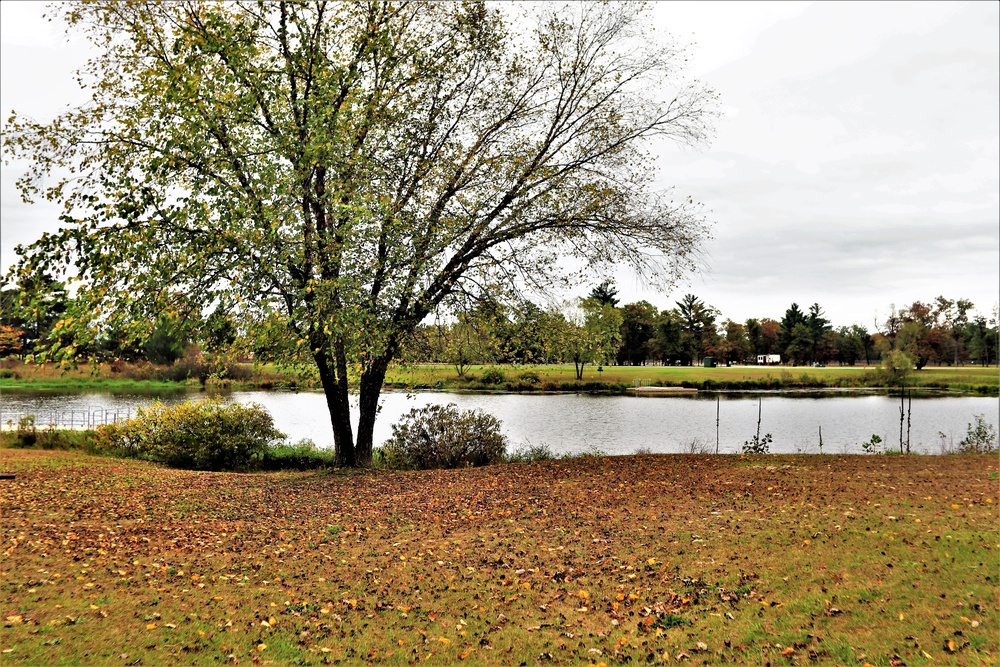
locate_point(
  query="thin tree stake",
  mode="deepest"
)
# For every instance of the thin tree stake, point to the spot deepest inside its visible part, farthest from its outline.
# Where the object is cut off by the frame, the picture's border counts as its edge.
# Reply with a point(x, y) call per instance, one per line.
point(909, 413)
point(758, 419)
point(718, 401)
point(902, 393)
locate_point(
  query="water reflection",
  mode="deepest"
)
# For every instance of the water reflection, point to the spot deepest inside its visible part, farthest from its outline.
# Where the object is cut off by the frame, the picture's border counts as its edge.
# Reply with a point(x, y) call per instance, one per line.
point(612, 424)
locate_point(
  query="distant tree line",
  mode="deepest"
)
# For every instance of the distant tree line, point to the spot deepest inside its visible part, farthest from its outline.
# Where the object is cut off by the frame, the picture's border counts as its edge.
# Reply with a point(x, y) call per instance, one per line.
point(599, 330)
point(595, 330)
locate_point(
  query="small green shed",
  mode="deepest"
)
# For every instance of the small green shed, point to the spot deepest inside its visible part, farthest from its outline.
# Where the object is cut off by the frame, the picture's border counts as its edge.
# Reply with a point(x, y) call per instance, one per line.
point(709, 362)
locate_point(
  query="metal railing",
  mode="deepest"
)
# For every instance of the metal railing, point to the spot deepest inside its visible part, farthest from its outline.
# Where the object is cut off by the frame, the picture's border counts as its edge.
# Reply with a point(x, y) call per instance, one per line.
point(71, 419)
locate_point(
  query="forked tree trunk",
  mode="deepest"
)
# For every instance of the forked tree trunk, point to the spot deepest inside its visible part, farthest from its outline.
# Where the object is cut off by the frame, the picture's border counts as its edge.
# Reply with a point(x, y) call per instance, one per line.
point(348, 452)
point(335, 389)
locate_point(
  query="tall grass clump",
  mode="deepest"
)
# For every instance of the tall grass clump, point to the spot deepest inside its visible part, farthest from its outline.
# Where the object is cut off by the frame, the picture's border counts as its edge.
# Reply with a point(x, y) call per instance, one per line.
point(198, 435)
point(531, 454)
point(302, 455)
point(29, 436)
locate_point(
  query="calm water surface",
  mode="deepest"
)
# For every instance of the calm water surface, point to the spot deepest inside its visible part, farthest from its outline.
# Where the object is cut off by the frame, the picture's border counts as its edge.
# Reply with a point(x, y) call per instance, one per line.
point(612, 424)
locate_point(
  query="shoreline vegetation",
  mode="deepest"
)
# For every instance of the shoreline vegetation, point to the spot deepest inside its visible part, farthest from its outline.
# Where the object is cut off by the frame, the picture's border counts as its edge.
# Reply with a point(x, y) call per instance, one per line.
point(151, 378)
point(662, 559)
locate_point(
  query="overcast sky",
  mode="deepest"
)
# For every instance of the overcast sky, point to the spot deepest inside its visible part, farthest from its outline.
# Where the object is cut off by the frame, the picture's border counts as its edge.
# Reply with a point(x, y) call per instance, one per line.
point(857, 163)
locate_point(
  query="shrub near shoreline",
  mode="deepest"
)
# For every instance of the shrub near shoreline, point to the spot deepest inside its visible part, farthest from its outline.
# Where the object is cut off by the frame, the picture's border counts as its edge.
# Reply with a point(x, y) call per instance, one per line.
point(200, 435)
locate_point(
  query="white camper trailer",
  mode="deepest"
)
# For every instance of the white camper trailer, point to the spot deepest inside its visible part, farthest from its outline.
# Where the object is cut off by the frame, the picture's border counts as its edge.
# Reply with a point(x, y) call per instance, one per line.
point(768, 359)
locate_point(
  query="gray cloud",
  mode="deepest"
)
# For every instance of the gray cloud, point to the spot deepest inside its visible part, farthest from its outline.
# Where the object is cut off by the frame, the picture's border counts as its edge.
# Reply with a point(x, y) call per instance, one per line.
point(857, 164)
point(856, 177)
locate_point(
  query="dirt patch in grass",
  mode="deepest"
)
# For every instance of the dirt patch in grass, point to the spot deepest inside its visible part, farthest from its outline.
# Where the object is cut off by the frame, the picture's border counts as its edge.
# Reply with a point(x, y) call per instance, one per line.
point(781, 560)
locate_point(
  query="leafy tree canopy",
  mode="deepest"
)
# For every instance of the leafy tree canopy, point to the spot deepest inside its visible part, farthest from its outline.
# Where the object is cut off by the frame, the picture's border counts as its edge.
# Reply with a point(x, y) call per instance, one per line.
point(334, 170)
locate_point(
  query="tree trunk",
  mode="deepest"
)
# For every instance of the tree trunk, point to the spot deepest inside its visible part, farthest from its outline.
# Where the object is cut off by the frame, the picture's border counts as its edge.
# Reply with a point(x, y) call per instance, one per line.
point(371, 387)
point(338, 404)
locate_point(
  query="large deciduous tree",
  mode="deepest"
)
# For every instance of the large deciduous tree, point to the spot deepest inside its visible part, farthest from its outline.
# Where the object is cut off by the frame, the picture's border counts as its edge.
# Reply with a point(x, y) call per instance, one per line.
point(337, 169)
point(592, 333)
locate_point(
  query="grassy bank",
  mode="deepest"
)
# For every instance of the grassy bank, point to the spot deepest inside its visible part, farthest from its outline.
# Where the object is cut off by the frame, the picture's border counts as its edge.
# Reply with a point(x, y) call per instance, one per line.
point(616, 378)
point(138, 378)
point(726, 560)
point(143, 377)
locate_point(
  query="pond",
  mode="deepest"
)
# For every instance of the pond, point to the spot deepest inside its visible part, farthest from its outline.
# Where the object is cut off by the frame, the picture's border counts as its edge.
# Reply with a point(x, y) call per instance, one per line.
point(572, 423)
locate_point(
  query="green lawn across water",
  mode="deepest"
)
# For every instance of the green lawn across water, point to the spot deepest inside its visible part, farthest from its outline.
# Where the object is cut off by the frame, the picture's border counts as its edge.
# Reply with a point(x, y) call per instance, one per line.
point(968, 378)
point(561, 377)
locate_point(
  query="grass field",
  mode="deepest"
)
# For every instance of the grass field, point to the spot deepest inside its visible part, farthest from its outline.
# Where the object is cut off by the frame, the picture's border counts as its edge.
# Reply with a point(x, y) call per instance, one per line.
point(139, 378)
point(964, 377)
point(779, 560)
point(135, 378)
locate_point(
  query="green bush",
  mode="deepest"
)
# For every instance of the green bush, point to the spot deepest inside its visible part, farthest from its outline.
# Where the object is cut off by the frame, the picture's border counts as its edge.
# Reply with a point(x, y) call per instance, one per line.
point(192, 365)
point(200, 435)
point(27, 433)
point(53, 438)
point(758, 444)
point(873, 446)
point(980, 437)
point(236, 372)
point(529, 377)
point(493, 376)
point(442, 436)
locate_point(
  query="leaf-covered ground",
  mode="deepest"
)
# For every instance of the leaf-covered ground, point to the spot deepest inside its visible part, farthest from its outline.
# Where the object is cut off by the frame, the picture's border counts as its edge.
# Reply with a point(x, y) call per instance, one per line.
point(790, 560)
